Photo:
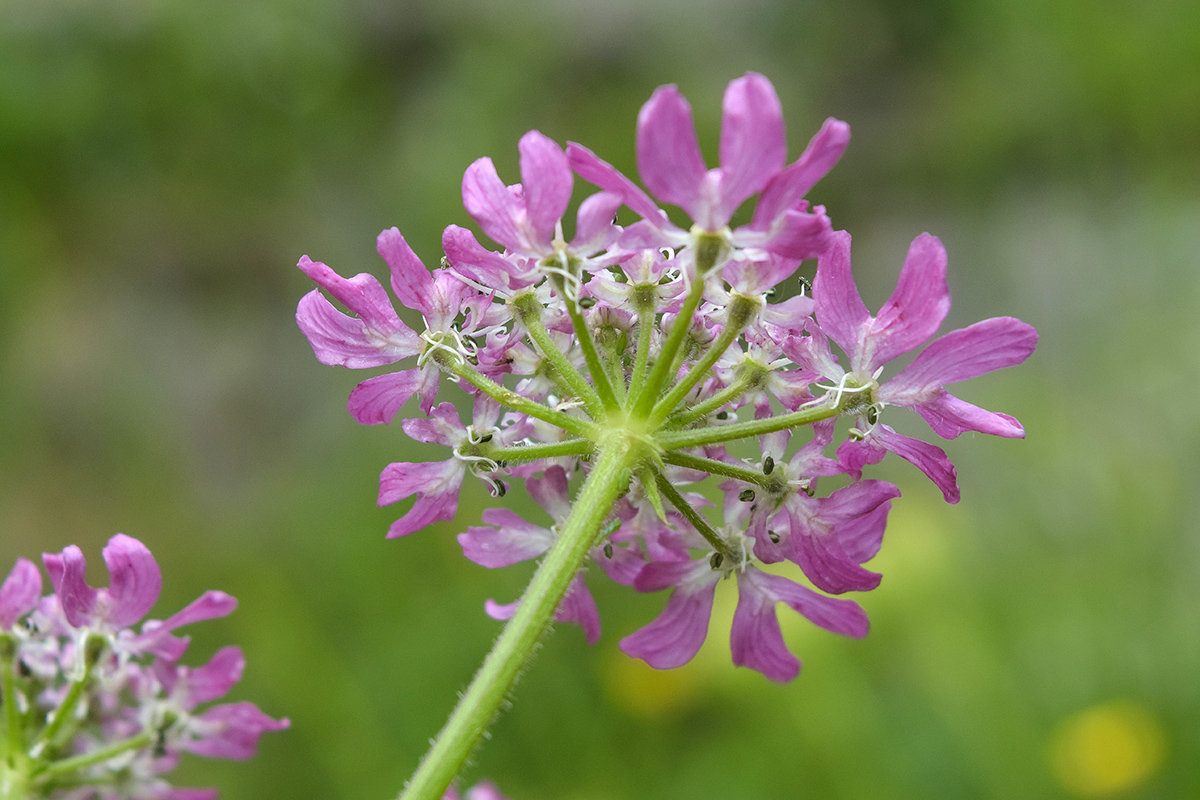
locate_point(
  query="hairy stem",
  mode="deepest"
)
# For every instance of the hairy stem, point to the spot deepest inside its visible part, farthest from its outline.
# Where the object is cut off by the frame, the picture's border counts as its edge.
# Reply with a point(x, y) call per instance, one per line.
point(673, 440)
point(747, 376)
point(643, 401)
point(714, 467)
point(741, 311)
point(516, 402)
point(530, 311)
point(572, 447)
point(503, 665)
point(644, 294)
point(693, 516)
point(588, 345)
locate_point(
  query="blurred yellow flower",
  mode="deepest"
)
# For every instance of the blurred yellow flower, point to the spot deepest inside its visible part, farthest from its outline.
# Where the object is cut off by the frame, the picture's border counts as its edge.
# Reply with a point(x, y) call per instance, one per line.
point(1107, 749)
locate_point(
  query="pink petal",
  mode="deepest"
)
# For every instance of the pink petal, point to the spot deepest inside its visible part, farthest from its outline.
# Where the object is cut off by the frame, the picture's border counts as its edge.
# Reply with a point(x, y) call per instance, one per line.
point(580, 607)
point(963, 354)
point(491, 204)
point(949, 417)
point(136, 580)
point(843, 617)
point(217, 677)
point(178, 793)
point(676, 635)
point(594, 228)
point(551, 492)
point(467, 255)
point(20, 592)
point(856, 499)
point(443, 427)
point(577, 606)
point(512, 540)
point(500, 611)
point(915, 310)
point(436, 486)
point(755, 639)
point(788, 188)
point(668, 154)
point(484, 791)
point(547, 181)
point(156, 637)
point(795, 234)
point(596, 170)
point(753, 144)
point(67, 572)
point(363, 295)
point(827, 565)
point(231, 731)
point(342, 341)
point(623, 566)
point(210, 605)
point(840, 310)
point(377, 400)
point(860, 537)
point(930, 459)
point(411, 281)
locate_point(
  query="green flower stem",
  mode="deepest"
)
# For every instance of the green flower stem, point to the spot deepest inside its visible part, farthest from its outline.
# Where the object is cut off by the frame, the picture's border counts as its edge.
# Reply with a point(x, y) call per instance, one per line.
point(61, 715)
point(612, 345)
point(530, 311)
point(8, 674)
point(700, 437)
point(507, 397)
point(619, 455)
point(741, 311)
point(750, 374)
point(644, 400)
point(714, 467)
point(98, 756)
point(571, 447)
point(645, 296)
point(599, 375)
point(693, 516)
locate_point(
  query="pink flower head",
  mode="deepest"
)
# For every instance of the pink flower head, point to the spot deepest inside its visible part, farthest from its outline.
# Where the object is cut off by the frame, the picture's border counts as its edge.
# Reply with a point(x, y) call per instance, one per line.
point(913, 313)
point(135, 582)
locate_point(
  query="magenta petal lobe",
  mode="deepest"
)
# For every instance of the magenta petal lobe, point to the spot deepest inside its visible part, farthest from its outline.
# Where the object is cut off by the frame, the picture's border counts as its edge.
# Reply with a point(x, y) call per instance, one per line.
point(136, 579)
point(668, 154)
point(753, 144)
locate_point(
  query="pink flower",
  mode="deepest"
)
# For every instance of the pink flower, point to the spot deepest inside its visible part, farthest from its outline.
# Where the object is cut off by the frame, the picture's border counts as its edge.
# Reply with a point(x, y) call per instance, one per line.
point(752, 153)
point(20, 592)
point(373, 337)
point(135, 582)
point(526, 218)
point(912, 314)
point(437, 484)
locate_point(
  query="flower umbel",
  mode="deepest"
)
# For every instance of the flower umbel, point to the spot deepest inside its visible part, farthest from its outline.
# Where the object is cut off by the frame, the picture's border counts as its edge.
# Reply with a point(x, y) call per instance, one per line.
point(617, 371)
point(95, 709)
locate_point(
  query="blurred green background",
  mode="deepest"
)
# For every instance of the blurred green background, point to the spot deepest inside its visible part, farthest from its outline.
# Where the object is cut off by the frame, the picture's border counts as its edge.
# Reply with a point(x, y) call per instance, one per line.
point(163, 164)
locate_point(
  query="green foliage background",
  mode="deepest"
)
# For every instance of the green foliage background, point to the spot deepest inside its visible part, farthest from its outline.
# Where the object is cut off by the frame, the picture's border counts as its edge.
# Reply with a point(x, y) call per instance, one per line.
point(164, 163)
